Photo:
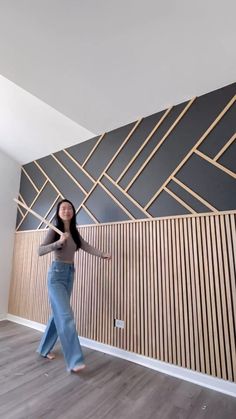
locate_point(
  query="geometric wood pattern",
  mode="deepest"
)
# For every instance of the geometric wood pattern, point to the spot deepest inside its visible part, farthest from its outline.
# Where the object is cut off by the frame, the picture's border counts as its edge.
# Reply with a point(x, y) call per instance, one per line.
point(172, 281)
point(179, 161)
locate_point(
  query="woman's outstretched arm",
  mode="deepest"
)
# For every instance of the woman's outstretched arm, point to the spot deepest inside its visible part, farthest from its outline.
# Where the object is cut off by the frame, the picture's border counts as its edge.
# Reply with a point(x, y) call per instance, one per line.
point(93, 250)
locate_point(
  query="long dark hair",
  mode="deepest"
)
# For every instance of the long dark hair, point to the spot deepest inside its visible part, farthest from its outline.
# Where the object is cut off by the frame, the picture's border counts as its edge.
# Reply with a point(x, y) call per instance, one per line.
point(60, 225)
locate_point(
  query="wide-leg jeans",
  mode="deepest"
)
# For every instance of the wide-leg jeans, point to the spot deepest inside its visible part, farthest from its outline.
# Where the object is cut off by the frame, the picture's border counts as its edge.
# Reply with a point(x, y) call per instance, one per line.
point(61, 324)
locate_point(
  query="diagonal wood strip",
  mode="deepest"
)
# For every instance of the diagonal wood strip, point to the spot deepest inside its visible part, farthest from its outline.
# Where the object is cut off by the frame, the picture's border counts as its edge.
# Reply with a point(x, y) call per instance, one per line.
point(116, 200)
point(20, 210)
point(203, 201)
point(189, 154)
point(28, 176)
point(226, 146)
point(161, 142)
point(110, 162)
point(79, 166)
point(32, 203)
point(39, 217)
point(128, 196)
point(93, 149)
point(144, 144)
point(180, 200)
point(45, 216)
point(69, 174)
point(214, 163)
point(49, 180)
point(90, 214)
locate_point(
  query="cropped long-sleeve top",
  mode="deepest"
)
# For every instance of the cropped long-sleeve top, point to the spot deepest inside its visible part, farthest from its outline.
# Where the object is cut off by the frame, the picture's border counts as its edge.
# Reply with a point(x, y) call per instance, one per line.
point(65, 252)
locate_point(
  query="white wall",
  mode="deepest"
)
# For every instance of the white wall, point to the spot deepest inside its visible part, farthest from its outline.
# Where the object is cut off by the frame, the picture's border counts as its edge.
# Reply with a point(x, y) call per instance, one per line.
point(9, 188)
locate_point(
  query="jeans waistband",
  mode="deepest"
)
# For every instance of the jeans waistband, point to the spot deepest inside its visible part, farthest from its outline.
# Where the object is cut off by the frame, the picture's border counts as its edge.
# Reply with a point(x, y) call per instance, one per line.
point(60, 263)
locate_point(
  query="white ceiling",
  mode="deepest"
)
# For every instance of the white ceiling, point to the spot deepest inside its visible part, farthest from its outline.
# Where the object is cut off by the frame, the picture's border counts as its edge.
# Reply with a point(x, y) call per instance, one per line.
point(30, 129)
point(102, 64)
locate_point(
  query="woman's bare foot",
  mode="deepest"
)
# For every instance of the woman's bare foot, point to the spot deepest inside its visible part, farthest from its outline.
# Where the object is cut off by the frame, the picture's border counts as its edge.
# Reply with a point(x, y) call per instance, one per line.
point(50, 356)
point(78, 368)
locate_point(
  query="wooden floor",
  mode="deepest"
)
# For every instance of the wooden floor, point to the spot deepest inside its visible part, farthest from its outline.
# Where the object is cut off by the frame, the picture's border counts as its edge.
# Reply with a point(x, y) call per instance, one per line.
point(32, 387)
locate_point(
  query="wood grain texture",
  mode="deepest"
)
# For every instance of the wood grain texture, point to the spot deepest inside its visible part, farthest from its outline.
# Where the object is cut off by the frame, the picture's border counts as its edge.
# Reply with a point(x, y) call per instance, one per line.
point(172, 281)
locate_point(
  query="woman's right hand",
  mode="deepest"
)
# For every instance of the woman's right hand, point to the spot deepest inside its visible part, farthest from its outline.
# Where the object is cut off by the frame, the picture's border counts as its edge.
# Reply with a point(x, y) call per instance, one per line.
point(63, 238)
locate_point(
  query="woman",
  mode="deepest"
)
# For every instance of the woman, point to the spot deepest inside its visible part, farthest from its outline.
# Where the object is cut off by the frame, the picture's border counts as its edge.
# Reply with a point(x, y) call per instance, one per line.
point(60, 284)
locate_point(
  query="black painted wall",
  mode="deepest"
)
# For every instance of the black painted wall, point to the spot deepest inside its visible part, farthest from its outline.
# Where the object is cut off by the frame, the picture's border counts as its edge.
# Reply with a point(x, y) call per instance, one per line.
point(167, 177)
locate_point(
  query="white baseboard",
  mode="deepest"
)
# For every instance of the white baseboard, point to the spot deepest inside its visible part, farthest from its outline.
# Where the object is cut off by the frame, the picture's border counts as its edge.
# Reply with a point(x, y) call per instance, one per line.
point(204, 380)
point(3, 316)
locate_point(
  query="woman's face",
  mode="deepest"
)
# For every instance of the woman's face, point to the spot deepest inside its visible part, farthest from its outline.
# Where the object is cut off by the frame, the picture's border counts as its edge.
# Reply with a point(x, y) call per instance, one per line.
point(66, 211)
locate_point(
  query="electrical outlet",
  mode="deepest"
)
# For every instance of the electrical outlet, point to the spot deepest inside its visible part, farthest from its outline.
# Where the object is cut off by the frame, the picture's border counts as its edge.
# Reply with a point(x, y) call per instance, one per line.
point(119, 323)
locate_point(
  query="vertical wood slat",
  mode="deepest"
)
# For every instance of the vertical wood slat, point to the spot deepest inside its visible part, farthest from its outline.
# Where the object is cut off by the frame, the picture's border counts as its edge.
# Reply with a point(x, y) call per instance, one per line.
point(161, 300)
point(218, 299)
point(152, 340)
point(225, 313)
point(231, 241)
point(189, 319)
point(206, 279)
point(126, 316)
point(173, 282)
point(132, 258)
point(216, 369)
point(198, 296)
point(184, 293)
point(229, 310)
point(141, 293)
point(144, 283)
point(200, 229)
point(173, 358)
point(165, 290)
point(194, 325)
point(137, 248)
point(180, 295)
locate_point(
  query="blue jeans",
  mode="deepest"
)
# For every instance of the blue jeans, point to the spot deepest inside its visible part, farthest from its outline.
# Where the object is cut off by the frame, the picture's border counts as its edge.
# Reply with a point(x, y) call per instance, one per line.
point(61, 324)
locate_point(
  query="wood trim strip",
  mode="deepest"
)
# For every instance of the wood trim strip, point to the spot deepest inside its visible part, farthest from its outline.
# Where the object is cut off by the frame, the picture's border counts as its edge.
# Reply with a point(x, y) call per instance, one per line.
point(160, 142)
point(144, 144)
point(45, 216)
point(188, 155)
point(69, 174)
point(49, 180)
point(174, 217)
point(203, 201)
point(116, 200)
point(20, 210)
point(226, 146)
point(79, 166)
point(127, 195)
point(180, 200)
point(40, 218)
point(31, 181)
point(90, 214)
point(214, 163)
point(108, 165)
point(32, 203)
point(93, 149)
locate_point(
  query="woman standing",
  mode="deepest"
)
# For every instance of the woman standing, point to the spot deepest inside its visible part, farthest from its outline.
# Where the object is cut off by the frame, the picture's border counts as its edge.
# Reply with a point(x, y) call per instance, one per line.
point(60, 284)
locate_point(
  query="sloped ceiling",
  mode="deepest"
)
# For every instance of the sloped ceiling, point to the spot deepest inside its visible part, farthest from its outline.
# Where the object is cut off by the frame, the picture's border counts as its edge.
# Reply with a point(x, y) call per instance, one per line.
point(102, 64)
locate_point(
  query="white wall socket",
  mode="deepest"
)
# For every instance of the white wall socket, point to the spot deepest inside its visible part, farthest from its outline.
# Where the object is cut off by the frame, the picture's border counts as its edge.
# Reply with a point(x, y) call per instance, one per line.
point(119, 323)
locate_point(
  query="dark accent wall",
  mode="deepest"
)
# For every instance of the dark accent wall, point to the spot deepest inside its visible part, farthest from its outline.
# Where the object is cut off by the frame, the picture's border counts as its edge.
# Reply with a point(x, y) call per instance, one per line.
point(175, 162)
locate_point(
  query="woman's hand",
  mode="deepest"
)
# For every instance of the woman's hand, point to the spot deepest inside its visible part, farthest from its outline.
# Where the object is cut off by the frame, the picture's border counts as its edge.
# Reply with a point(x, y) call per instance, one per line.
point(106, 256)
point(63, 238)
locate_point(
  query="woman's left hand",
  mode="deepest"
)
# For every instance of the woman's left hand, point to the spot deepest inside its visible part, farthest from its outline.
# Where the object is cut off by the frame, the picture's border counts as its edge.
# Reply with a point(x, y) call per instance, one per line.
point(106, 256)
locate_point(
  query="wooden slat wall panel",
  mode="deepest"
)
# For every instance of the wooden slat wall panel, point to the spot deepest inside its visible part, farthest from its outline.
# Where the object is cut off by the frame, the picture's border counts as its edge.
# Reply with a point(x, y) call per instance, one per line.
point(172, 281)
